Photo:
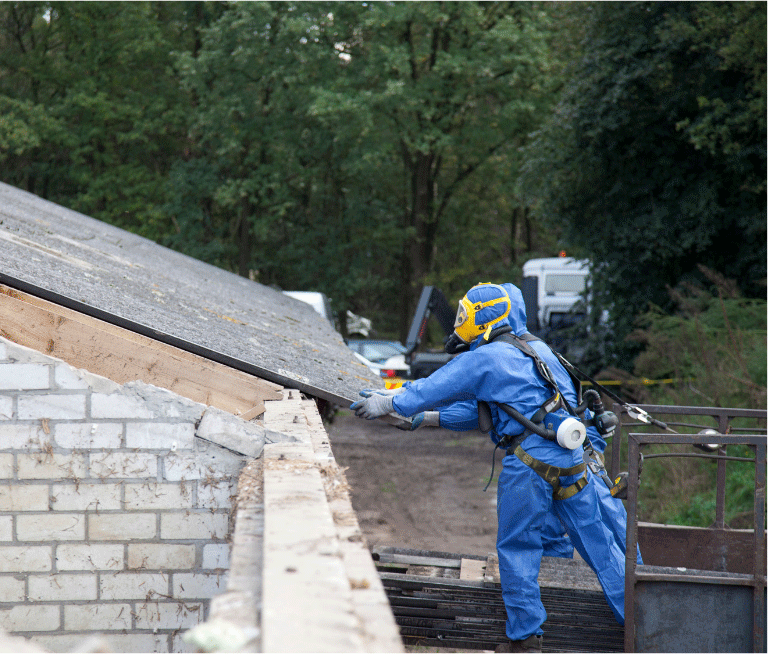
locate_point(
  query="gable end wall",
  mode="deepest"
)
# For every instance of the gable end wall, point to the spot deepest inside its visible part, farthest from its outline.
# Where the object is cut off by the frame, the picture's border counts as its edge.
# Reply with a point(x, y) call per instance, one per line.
point(115, 506)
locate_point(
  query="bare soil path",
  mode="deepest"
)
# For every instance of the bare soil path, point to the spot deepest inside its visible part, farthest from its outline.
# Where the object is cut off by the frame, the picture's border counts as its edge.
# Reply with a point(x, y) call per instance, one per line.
point(418, 490)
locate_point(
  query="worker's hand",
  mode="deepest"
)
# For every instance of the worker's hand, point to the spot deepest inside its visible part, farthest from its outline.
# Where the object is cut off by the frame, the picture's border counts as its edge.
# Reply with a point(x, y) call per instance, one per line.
point(367, 392)
point(423, 419)
point(373, 406)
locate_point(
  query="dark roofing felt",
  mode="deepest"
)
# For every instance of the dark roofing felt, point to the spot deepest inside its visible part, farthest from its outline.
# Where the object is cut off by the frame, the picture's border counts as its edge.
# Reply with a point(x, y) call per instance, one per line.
point(111, 274)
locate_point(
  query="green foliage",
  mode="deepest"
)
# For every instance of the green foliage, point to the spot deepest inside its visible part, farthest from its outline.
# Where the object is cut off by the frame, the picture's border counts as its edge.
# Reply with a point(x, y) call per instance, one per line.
point(654, 159)
point(714, 345)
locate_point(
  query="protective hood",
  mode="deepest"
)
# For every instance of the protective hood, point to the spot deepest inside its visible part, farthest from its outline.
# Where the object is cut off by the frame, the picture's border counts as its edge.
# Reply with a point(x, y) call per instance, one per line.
point(517, 317)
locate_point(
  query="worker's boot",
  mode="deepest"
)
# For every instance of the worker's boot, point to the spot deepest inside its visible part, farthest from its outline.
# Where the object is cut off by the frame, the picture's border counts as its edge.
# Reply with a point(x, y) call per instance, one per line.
point(530, 644)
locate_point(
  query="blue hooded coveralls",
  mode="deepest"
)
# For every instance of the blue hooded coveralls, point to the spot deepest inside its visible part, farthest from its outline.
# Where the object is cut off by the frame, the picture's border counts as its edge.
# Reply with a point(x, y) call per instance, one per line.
point(498, 372)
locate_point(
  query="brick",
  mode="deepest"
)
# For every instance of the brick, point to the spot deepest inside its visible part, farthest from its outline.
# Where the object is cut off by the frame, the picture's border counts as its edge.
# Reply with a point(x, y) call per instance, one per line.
point(6, 407)
point(85, 497)
point(70, 556)
point(24, 376)
point(70, 406)
point(51, 466)
point(118, 405)
point(124, 465)
point(11, 589)
point(88, 435)
point(67, 378)
point(97, 617)
point(122, 526)
point(3, 351)
point(23, 497)
point(25, 559)
point(160, 436)
point(227, 431)
point(198, 585)
point(153, 496)
point(216, 556)
point(207, 462)
point(169, 615)
point(6, 466)
point(186, 525)
point(22, 437)
point(30, 617)
point(132, 586)
point(216, 494)
point(51, 526)
point(154, 556)
point(6, 528)
point(61, 587)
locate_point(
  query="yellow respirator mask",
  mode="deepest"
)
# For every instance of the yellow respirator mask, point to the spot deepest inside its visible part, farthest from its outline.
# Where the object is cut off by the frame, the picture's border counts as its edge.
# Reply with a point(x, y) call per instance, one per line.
point(466, 326)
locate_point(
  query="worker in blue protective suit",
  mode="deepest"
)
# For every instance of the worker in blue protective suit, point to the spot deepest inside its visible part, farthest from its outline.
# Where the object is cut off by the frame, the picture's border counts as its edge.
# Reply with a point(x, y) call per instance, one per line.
point(539, 476)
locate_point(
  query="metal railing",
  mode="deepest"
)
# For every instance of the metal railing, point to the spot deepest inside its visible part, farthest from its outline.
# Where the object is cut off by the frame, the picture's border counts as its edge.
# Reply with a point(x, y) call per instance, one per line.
point(725, 436)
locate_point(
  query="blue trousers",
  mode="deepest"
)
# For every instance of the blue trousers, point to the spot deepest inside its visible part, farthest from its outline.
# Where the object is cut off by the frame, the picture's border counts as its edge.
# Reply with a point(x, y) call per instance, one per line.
point(524, 501)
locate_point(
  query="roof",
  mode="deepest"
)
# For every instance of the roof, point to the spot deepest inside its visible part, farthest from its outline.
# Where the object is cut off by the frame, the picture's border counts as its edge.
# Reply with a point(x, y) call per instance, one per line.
point(124, 279)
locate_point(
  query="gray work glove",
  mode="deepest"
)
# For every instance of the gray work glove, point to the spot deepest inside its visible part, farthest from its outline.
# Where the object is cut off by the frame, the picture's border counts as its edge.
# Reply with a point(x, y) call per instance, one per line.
point(423, 419)
point(373, 406)
point(382, 391)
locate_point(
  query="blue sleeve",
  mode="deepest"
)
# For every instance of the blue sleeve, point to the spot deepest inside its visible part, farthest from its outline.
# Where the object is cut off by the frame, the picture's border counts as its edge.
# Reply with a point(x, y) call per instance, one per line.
point(459, 416)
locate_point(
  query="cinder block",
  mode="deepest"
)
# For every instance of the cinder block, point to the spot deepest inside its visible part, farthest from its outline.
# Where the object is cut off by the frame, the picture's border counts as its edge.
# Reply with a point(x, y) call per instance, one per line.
point(6, 466)
point(122, 526)
point(11, 589)
point(123, 465)
point(88, 435)
point(186, 525)
point(216, 556)
point(132, 585)
point(169, 615)
point(30, 617)
point(50, 526)
point(153, 556)
point(85, 497)
point(23, 497)
point(47, 465)
point(55, 406)
point(198, 585)
point(107, 556)
point(160, 435)
point(24, 376)
point(61, 587)
point(97, 617)
point(153, 496)
point(6, 407)
point(25, 559)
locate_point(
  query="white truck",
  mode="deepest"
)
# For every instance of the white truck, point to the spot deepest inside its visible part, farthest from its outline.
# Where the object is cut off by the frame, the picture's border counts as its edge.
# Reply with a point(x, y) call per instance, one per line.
point(551, 288)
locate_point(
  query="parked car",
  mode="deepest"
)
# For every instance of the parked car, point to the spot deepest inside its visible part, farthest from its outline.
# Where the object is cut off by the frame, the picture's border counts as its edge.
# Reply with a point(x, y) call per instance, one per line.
point(386, 358)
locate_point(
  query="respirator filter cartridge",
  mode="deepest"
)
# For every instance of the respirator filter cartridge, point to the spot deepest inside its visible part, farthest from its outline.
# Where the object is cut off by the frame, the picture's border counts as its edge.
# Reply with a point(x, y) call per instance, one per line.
point(570, 431)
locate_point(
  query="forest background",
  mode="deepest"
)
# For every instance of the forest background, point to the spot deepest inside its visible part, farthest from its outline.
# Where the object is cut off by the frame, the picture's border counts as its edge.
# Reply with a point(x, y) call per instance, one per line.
point(365, 149)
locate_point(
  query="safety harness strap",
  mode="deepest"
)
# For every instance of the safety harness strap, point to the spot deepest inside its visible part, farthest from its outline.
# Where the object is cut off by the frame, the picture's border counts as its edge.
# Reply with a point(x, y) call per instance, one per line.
point(551, 474)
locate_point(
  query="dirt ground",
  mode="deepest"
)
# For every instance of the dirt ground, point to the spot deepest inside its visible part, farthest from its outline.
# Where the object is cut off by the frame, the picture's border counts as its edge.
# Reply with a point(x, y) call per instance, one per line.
point(418, 490)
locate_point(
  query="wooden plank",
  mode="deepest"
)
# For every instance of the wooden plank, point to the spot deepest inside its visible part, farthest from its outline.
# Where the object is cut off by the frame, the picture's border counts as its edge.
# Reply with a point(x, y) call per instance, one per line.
point(122, 356)
point(472, 569)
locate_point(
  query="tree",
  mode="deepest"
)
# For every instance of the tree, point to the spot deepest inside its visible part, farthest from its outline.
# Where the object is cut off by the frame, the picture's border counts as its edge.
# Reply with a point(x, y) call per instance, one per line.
point(449, 92)
point(654, 159)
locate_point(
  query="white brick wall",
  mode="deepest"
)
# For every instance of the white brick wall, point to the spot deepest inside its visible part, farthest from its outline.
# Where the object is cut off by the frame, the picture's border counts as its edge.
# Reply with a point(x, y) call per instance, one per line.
point(115, 506)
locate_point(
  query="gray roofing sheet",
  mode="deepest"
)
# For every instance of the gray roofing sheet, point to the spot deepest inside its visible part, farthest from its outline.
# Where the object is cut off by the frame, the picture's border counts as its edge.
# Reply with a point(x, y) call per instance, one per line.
point(111, 274)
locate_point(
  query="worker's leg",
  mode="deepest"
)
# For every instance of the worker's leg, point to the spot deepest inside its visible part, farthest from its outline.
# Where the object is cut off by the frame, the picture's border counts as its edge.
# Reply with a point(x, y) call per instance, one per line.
point(614, 516)
point(595, 542)
point(554, 538)
point(523, 501)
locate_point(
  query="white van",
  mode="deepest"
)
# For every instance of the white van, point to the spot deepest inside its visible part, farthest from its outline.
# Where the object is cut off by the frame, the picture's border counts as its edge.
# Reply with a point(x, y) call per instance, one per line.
point(551, 287)
point(356, 325)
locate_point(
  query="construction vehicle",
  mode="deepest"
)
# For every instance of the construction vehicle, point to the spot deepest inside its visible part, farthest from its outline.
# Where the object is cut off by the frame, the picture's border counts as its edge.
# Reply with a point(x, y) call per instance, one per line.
point(432, 302)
